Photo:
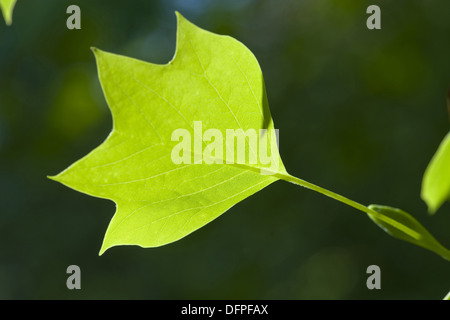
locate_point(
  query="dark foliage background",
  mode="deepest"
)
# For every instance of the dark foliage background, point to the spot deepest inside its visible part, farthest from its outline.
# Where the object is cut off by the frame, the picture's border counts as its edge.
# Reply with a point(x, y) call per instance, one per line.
point(360, 112)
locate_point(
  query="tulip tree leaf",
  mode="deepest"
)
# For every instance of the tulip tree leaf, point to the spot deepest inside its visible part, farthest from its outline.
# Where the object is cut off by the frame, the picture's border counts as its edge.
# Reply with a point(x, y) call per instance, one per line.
point(213, 80)
point(436, 180)
point(7, 7)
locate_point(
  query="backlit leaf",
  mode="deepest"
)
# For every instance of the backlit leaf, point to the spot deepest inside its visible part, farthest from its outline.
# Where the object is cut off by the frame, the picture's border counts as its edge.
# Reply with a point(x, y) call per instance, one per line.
point(7, 7)
point(214, 79)
point(436, 180)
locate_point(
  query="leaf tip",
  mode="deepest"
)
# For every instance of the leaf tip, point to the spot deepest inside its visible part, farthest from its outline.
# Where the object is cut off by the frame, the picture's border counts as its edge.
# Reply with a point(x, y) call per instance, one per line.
point(96, 51)
point(105, 246)
point(181, 19)
point(178, 15)
point(60, 177)
point(102, 251)
point(107, 243)
point(54, 178)
point(427, 196)
point(447, 297)
point(7, 9)
point(432, 208)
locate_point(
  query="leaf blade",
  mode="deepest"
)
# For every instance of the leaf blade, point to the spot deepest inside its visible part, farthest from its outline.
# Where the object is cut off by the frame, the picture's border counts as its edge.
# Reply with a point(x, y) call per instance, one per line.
point(175, 219)
point(211, 78)
point(436, 180)
point(7, 7)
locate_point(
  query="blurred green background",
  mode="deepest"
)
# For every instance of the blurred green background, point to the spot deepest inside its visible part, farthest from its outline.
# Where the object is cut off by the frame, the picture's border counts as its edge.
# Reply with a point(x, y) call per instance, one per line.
point(360, 112)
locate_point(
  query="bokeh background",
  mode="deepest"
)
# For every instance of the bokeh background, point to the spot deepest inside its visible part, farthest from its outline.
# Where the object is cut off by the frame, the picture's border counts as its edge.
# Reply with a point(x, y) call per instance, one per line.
point(360, 112)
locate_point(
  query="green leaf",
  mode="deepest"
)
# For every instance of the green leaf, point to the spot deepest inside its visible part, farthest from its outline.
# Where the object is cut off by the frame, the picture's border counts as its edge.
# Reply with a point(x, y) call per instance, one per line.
point(447, 297)
point(436, 180)
point(417, 234)
point(212, 80)
point(7, 7)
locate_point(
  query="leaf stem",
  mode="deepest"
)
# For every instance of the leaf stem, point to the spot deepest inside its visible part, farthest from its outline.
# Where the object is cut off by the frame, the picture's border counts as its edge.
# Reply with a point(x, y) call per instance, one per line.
point(439, 249)
point(351, 203)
